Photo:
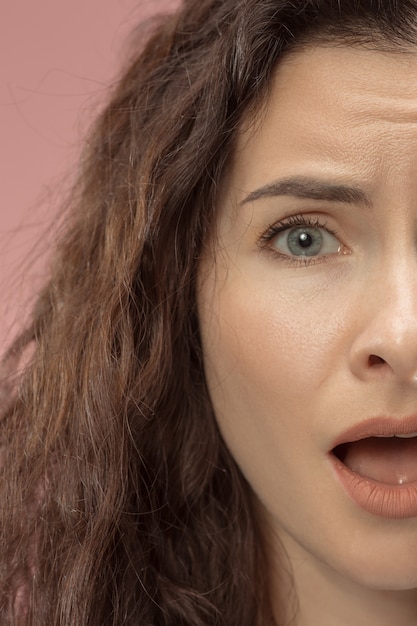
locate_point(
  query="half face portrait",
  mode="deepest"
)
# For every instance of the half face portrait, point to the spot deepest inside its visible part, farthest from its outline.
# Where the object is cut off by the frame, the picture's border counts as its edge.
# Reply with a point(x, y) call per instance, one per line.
point(307, 303)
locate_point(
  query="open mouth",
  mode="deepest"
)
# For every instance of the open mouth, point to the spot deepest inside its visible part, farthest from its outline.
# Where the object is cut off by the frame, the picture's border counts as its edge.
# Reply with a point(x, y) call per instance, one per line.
point(375, 461)
point(387, 460)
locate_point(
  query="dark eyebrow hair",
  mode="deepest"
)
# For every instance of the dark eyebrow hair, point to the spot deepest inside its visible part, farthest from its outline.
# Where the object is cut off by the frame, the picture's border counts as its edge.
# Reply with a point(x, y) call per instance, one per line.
point(312, 188)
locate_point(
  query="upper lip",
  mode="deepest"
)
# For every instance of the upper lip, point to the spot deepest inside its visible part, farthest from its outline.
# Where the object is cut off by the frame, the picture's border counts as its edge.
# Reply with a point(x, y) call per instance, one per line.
point(377, 427)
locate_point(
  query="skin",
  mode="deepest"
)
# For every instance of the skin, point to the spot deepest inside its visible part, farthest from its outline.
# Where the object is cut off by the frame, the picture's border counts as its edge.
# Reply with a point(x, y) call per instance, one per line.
point(298, 350)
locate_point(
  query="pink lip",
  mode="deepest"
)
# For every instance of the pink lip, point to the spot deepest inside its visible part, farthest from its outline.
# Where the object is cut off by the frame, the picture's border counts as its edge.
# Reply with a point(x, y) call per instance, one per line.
point(378, 427)
point(380, 499)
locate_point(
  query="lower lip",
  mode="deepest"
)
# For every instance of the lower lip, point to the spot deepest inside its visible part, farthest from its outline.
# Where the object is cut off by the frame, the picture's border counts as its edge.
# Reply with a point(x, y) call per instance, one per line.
point(380, 499)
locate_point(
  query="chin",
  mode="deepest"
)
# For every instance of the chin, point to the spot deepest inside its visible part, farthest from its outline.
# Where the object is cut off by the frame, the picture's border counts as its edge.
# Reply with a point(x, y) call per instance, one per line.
point(385, 570)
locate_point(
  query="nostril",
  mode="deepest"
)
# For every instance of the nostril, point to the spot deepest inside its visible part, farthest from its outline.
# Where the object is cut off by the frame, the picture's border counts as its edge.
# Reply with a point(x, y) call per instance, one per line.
point(375, 360)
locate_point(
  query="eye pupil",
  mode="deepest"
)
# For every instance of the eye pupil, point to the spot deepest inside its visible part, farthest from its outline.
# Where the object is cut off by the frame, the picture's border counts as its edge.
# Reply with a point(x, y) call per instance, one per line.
point(305, 240)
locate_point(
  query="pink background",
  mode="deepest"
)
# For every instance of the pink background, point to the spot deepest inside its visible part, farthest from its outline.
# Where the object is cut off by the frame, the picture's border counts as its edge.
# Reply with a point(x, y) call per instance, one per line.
point(56, 59)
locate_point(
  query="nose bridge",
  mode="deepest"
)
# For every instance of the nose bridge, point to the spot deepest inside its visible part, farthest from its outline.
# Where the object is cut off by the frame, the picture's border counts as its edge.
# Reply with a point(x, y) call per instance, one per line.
point(388, 335)
point(398, 301)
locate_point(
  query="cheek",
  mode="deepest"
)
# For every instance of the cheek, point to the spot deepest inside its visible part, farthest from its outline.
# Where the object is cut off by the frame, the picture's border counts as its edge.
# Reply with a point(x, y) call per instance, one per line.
point(253, 373)
point(262, 346)
point(270, 367)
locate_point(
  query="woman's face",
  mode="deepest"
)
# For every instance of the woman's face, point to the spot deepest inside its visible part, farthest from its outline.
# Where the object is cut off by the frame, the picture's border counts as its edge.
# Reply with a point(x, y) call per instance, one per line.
point(308, 309)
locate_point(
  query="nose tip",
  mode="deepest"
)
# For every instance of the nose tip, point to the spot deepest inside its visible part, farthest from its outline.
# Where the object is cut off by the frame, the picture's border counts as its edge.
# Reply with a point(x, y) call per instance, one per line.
point(386, 344)
point(379, 361)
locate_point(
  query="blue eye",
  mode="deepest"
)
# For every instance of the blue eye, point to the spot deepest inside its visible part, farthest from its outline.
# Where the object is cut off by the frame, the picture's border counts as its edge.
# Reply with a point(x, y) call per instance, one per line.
point(305, 241)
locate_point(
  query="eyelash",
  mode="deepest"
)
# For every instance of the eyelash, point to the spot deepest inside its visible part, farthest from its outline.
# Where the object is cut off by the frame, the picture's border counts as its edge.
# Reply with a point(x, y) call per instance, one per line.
point(286, 224)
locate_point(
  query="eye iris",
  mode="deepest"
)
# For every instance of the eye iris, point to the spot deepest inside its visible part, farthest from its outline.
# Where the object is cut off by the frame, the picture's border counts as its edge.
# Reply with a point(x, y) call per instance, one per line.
point(304, 241)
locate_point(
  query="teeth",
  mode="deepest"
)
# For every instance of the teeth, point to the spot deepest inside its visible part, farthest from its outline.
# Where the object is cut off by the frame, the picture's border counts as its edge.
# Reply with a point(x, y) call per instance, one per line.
point(404, 436)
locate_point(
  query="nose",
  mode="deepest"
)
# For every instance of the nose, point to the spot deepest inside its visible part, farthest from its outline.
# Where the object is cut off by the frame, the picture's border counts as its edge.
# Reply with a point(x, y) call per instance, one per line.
point(386, 341)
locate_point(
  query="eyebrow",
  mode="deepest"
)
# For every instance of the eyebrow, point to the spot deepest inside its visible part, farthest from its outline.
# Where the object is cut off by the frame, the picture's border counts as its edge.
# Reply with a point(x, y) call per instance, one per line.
point(312, 188)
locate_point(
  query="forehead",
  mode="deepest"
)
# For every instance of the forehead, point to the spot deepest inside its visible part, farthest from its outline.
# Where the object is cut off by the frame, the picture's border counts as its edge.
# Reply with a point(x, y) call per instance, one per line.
point(334, 110)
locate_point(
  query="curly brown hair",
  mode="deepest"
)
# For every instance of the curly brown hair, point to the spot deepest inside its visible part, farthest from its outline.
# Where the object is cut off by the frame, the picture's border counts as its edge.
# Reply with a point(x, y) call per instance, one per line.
point(120, 502)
